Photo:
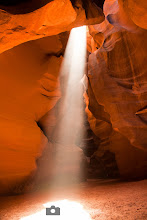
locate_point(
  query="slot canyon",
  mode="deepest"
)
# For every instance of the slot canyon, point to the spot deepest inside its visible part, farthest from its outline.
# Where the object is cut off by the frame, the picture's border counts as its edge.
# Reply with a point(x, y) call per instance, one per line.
point(73, 116)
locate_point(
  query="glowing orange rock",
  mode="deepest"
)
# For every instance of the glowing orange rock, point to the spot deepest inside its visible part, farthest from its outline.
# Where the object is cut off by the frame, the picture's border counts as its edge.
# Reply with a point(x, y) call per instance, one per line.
point(137, 11)
point(117, 78)
point(48, 20)
point(29, 89)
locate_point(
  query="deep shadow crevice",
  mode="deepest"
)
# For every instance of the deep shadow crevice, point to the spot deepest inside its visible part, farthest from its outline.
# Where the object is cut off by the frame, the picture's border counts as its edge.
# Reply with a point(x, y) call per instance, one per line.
point(23, 6)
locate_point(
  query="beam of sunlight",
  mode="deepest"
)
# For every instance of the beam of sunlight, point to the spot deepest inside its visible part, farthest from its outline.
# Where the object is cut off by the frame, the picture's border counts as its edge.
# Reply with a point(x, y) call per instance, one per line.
point(72, 71)
point(68, 210)
point(70, 125)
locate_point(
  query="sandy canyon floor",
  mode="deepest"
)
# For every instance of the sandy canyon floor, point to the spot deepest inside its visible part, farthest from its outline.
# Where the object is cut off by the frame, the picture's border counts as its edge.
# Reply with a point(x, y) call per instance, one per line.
point(94, 199)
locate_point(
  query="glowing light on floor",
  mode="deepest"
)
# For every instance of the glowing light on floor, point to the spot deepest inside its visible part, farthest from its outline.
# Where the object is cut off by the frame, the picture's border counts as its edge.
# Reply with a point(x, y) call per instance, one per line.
point(69, 210)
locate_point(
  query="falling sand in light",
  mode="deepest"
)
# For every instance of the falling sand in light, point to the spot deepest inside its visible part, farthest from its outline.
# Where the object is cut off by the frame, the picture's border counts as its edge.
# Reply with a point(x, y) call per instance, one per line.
point(73, 69)
point(71, 123)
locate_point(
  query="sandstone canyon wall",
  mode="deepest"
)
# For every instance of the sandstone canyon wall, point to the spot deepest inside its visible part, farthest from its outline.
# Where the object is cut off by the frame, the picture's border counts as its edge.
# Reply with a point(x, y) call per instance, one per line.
point(32, 50)
point(117, 86)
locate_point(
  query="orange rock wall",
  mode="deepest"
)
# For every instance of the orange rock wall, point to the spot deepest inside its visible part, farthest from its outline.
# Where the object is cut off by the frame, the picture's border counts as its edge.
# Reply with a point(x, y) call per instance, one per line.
point(117, 88)
point(116, 101)
point(29, 89)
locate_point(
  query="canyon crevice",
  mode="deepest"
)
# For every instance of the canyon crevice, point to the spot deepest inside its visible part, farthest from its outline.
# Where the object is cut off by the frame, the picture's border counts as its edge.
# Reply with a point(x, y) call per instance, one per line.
point(32, 47)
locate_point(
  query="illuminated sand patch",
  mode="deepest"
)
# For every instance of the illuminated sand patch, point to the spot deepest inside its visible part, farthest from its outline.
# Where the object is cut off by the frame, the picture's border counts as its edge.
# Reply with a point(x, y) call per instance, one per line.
point(69, 210)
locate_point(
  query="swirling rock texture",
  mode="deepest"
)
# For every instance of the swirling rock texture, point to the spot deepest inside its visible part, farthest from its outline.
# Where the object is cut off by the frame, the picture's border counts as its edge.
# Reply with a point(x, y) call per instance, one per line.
point(29, 89)
point(30, 86)
point(117, 86)
point(32, 49)
point(21, 22)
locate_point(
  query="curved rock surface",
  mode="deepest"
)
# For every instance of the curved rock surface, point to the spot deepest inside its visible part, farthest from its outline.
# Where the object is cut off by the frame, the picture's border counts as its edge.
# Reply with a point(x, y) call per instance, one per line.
point(56, 16)
point(116, 98)
point(29, 89)
point(117, 86)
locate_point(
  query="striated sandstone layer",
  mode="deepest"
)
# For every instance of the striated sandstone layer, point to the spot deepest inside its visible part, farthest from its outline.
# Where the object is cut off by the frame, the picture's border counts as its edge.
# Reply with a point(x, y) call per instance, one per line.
point(117, 90)
point(19, 25)
point(29, 89)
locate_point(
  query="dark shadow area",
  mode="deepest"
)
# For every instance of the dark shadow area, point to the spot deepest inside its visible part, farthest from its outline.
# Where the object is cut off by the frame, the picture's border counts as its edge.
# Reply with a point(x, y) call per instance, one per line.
point(23, 6)
point(99, 3)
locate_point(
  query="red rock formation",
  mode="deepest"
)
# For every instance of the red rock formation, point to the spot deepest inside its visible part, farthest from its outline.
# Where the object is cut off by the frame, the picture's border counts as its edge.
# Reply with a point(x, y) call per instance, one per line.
point(137, 11)
point(17, 26)
point(117, 80)
point(48, 20)
point(116, 101)
point(29, 89)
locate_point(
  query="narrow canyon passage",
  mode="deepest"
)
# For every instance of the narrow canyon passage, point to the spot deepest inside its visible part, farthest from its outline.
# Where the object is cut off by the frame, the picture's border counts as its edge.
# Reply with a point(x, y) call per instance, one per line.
point(95, 199)
point(73, 109)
